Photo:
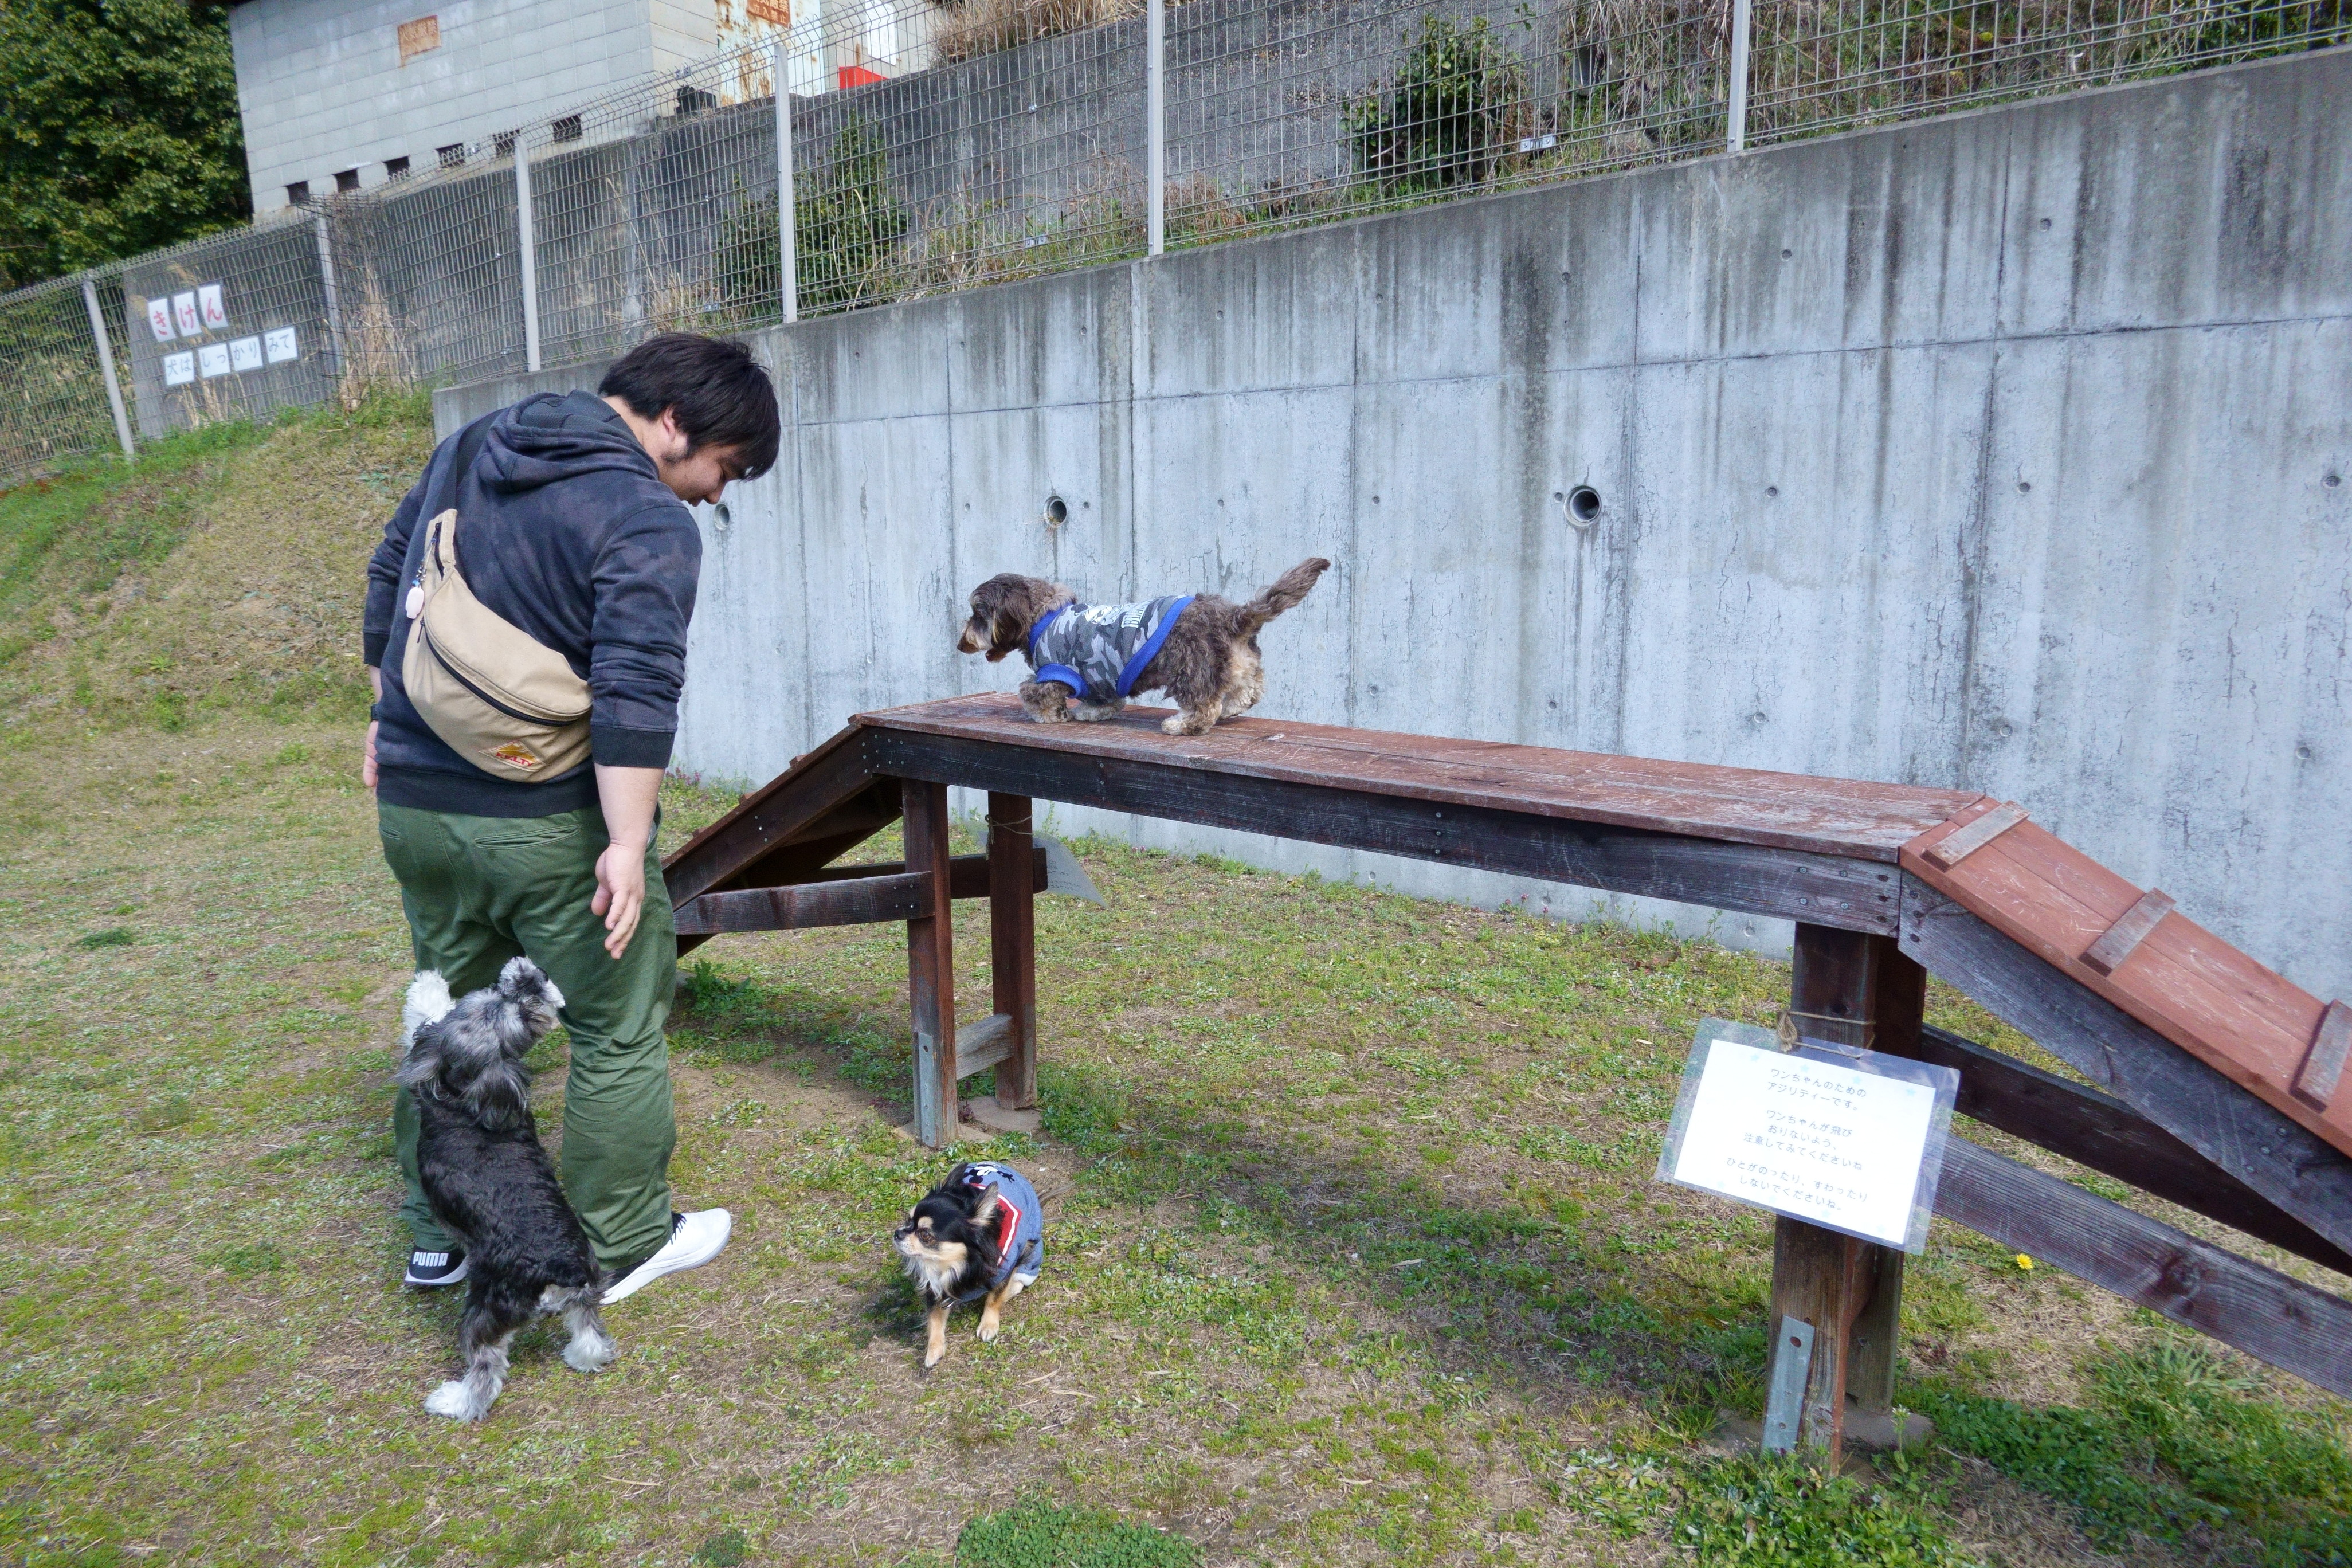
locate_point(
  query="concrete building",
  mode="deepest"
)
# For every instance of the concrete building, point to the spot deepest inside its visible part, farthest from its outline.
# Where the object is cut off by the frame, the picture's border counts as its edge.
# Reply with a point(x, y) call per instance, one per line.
point(341, 95)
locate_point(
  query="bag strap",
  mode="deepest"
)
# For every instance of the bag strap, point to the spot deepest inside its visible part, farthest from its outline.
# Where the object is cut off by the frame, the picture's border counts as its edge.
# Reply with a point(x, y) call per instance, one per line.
point(444, 495)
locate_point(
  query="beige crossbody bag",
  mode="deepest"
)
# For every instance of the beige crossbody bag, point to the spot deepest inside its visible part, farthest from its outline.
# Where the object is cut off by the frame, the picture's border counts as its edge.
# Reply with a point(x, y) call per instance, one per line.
point(503, 700)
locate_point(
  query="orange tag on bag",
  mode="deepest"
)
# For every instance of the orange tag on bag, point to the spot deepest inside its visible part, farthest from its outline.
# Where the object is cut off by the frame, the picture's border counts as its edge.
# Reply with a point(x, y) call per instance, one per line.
point(515, 754)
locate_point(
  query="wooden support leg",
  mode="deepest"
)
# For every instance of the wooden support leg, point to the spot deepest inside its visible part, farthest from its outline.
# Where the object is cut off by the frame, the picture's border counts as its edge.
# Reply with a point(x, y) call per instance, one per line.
point(1013, 944)
point(930, 965)
point(1849, 989)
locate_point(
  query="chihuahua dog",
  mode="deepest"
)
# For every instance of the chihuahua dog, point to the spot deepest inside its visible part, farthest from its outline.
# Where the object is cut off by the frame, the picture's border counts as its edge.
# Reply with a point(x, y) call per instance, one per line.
point(1087, 659)
point(979, 1235)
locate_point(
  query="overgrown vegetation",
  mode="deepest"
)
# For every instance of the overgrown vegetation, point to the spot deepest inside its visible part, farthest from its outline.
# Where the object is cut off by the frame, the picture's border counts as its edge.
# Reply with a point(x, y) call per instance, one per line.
point(968, 28)
point(1439, 122)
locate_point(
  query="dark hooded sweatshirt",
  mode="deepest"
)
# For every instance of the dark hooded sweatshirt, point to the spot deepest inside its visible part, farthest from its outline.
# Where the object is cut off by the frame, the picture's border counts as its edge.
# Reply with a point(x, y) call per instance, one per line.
point(566, 529)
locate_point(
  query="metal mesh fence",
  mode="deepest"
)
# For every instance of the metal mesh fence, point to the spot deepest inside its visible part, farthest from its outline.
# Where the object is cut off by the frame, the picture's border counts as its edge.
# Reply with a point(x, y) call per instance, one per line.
point(53, 403)
point(939, 144)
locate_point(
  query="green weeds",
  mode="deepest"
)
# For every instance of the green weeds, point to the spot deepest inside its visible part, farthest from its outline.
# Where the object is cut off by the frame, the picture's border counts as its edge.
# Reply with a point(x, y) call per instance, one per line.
point(1049, 1535)
point(2174, 1445)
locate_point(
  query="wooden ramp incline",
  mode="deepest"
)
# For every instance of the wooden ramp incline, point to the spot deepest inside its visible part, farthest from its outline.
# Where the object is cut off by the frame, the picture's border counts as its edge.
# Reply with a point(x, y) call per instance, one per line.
point(2222, 1081)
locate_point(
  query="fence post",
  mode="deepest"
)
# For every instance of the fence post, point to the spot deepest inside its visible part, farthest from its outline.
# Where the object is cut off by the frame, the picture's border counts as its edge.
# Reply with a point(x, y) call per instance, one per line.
point(106, 368)
point(787, 215)
point(1735, 132)
point(529, 254)
point(1155, 131)
point(326, 288)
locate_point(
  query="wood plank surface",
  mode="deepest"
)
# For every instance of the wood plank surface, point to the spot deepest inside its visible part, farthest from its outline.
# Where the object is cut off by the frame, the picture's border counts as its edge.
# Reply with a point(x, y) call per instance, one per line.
point(1790, 811)
point(1852, 894)
point(2242, 1019)
point(2277, 1158)
point(2102, 1133)
point(2268, 1315)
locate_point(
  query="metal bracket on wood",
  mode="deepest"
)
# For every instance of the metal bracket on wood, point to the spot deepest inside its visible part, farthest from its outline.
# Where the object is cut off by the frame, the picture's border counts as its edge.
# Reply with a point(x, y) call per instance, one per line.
point(1792, 1366)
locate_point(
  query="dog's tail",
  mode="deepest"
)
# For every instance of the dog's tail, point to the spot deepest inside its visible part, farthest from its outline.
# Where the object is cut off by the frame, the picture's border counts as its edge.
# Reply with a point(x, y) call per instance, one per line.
point(1287, 591)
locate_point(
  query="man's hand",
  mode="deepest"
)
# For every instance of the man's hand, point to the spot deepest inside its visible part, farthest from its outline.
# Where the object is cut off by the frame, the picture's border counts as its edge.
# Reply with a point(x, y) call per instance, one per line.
point(620, 893)
point(628, 796)
point(367, 760)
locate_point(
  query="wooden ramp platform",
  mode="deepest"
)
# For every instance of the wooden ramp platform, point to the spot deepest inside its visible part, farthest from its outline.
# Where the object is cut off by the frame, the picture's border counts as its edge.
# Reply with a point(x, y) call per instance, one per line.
point(2222, 1083)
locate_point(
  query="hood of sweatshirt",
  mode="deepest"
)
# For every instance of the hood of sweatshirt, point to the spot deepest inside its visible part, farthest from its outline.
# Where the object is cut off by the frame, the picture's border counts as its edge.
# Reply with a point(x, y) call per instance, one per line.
point(549, 437)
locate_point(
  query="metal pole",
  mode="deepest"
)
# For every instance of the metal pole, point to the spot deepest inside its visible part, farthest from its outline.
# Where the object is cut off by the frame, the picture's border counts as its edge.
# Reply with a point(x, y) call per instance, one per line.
point(787, 215)
point(1155, 131)
point(327, 287)
point(106, 368)
point(1736, 135)
point(530, 252)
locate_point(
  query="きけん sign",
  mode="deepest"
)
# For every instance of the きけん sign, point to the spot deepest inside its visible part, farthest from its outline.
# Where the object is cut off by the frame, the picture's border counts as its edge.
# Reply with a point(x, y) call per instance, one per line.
point(1849, 1141)
point(158, 319)
point(183, 312)
point(210, 306)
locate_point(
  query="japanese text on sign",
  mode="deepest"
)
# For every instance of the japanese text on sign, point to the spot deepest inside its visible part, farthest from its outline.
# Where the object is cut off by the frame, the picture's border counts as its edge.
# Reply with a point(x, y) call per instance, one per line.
point(1809, 1139)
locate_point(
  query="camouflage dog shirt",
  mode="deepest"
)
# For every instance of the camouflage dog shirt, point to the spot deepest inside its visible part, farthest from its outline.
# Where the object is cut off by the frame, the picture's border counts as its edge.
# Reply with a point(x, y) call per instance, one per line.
point(1099, 651)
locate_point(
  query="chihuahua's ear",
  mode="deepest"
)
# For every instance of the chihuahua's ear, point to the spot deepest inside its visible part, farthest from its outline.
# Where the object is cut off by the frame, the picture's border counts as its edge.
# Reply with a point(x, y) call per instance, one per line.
point(985, 1211)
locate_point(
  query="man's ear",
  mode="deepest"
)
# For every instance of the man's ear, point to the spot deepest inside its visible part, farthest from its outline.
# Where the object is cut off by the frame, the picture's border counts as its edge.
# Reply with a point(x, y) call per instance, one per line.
point(676, 445)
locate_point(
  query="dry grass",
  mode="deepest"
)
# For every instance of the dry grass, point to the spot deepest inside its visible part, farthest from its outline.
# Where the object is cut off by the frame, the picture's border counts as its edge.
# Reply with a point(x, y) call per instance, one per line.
point(966, 29)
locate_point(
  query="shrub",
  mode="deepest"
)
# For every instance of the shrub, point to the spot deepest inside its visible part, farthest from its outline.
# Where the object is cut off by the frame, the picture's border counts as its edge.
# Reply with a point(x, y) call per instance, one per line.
point(1440, 122)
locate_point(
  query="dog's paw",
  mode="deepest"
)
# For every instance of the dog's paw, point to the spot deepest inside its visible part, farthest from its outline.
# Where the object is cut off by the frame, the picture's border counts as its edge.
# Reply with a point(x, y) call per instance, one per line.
point(450, 1400)
point(933, 1358)
point(988, 1327)
point(581, 1355)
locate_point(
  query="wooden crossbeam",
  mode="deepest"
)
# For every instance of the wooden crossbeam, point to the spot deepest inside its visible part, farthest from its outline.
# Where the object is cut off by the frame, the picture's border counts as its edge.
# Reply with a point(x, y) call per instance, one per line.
point(2316, 1081)
point(984, 1043)
point(1965, 841)
point(837, 895)
point(2102, 1133)
point(2279, 1320)
point(2123, 938)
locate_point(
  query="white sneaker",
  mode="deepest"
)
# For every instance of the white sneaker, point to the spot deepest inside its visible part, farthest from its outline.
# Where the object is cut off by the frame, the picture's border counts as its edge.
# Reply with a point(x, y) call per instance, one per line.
point(694, 1240)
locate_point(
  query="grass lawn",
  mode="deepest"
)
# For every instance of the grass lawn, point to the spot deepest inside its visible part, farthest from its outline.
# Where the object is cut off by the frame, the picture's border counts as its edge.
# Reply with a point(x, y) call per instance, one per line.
point(1354, 1252)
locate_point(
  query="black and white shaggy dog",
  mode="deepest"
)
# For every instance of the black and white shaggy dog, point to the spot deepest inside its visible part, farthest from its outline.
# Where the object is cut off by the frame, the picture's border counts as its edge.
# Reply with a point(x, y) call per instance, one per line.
point(979, 1235)
point(1086, 660)
point(489, 1181)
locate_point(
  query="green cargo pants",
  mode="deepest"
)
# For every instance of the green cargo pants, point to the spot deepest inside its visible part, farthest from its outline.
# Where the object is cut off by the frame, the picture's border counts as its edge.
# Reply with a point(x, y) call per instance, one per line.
point(480, 890)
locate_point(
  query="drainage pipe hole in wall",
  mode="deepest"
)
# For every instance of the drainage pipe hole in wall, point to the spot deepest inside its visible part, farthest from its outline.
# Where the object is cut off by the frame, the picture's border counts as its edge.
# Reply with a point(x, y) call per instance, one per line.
point(1057, 511)
point(1581, 506)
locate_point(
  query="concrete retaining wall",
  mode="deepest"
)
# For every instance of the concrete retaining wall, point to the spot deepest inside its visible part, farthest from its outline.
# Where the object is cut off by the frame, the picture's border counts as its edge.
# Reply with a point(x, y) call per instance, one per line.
point(2002, 451)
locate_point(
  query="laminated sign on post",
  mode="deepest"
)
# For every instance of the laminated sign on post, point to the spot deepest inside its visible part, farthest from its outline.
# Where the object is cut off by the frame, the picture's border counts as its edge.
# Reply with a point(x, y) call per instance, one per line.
point(184, 311)
point(213, 359)
point(180, 369)
point(1848, 1140)
point(158, 319)
point(244, 354)
point(280, 342)
point(209, 305)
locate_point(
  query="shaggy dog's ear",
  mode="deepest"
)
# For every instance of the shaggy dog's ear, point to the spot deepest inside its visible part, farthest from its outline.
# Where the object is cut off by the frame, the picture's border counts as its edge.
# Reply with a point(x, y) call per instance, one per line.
point(428, 1003)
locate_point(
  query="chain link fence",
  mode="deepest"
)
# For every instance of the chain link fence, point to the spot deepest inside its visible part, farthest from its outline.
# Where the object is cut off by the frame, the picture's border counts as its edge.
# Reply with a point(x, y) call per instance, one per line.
point(940, 145)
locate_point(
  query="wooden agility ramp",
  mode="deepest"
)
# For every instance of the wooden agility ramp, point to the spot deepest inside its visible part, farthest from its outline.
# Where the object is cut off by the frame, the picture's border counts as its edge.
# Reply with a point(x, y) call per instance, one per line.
point(2223, 1084)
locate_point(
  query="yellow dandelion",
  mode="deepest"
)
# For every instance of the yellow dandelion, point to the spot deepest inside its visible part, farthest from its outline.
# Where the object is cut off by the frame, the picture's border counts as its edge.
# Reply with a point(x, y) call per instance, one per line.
point(2024, 1263)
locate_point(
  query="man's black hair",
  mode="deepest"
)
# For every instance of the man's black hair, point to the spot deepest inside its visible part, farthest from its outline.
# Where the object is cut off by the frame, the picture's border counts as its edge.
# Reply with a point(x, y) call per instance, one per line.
point(722, 396)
